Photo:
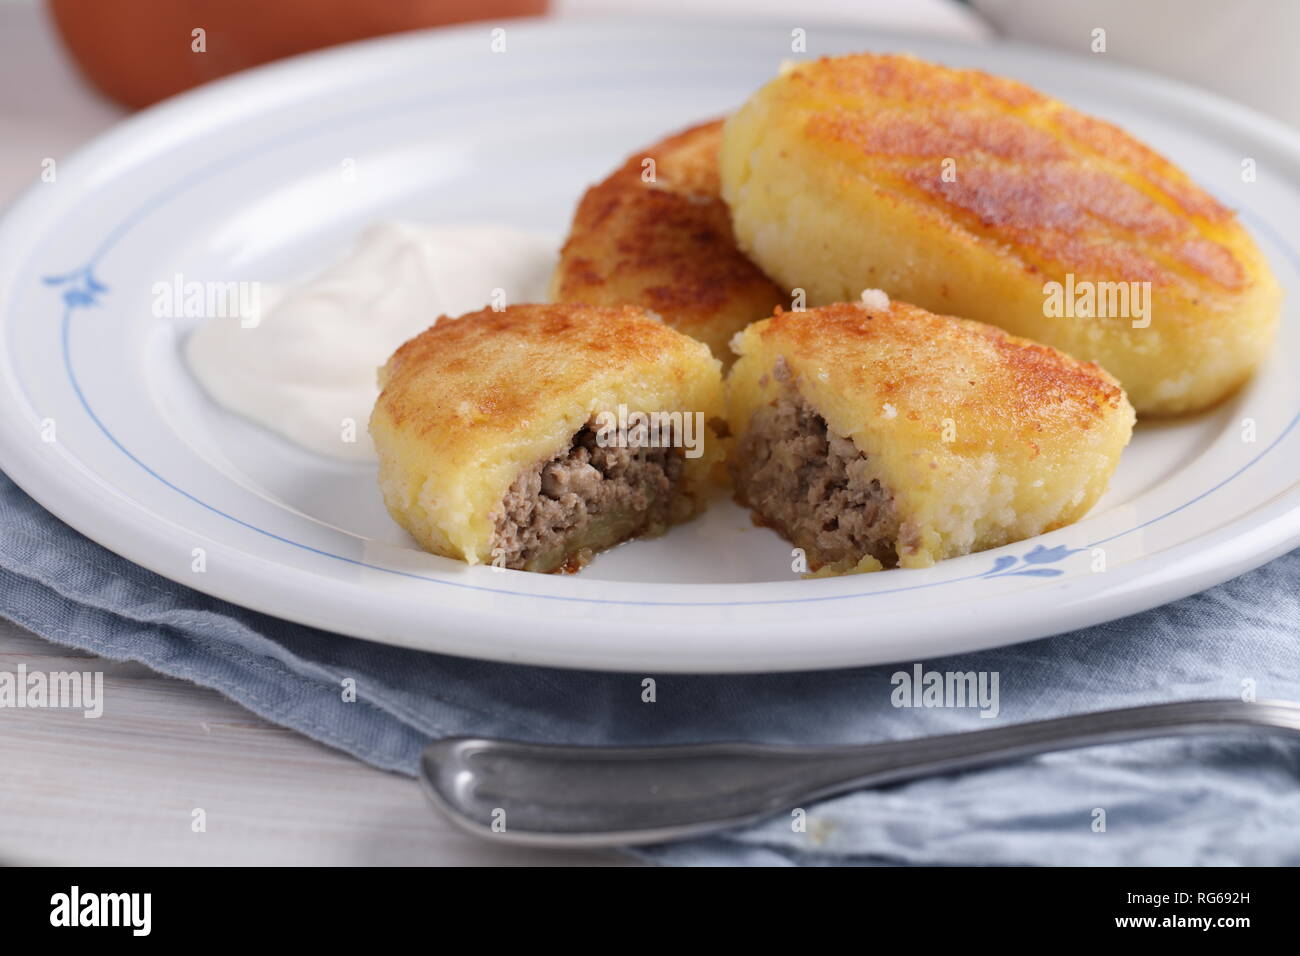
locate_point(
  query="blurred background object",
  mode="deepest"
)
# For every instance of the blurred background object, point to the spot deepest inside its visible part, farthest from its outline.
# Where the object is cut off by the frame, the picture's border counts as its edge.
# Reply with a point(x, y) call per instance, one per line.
point(140, 51)
point(1242, 49)
point(47, 107)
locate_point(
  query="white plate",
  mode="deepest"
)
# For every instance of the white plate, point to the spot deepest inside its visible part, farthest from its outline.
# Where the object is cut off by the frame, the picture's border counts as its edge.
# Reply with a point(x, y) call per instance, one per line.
point(240, 181)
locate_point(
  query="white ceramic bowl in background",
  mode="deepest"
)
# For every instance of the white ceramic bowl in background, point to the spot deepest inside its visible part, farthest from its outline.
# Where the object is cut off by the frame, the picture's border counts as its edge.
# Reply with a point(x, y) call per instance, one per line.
point(1245, 49)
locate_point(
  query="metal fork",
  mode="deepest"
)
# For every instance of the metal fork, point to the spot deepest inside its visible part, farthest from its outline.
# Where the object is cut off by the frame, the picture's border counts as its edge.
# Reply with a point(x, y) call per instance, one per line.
point(561, 796)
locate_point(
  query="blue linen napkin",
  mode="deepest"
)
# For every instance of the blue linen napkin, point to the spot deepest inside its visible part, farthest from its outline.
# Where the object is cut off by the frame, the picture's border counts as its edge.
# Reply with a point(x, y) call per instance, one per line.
point(1225, 800)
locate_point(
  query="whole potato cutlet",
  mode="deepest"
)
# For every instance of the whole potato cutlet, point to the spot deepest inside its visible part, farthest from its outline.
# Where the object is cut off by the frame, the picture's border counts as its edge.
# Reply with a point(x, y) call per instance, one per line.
point(973, 195)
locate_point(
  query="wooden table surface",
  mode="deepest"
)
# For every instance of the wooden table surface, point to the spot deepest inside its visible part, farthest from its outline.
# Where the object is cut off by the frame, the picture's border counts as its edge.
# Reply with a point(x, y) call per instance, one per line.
point(122, 788)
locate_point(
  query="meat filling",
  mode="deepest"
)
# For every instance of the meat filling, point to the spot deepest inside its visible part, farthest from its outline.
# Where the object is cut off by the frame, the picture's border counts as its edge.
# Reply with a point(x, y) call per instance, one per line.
point(584, 499)
point(813, 486)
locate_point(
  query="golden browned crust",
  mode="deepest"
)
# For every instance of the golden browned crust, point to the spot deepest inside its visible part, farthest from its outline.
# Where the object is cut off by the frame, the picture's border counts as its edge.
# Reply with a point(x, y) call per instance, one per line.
point(1003, 387)
point(495, 369)
point(471, 403)
point(1065, 188)
point(969, 194)
point(666, 245)
point(981, 437)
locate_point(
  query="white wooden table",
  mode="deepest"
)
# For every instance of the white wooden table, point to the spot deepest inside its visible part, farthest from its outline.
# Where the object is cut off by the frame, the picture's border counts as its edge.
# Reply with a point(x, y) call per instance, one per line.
point(121, 788)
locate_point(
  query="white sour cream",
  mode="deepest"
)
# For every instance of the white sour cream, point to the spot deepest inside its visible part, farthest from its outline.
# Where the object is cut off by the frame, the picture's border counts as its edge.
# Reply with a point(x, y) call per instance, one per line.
point(307, 368)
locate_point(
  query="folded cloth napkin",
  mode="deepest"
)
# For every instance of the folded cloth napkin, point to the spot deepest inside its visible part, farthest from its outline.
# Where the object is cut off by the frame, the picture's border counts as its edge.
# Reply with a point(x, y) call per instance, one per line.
point(1211, 800)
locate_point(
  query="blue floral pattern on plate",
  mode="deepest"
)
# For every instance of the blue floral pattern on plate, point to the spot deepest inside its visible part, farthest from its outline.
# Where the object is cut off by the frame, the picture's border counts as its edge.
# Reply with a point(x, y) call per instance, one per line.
point(1029, 565)
point(80, 287)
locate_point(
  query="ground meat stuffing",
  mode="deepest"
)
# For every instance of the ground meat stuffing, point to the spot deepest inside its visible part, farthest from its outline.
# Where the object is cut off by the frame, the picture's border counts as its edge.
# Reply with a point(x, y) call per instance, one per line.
point(586, 498)
point(812, 486)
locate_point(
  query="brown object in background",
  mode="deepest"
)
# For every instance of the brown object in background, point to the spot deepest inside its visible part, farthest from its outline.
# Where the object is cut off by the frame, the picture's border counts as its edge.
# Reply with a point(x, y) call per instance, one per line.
point(140, 51)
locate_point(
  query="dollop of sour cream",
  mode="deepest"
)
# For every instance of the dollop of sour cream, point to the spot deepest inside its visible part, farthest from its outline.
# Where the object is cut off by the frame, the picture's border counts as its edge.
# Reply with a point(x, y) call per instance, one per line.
point(306, 366)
